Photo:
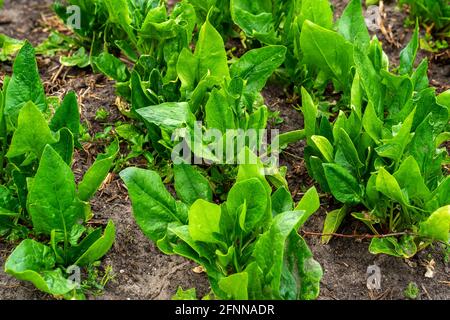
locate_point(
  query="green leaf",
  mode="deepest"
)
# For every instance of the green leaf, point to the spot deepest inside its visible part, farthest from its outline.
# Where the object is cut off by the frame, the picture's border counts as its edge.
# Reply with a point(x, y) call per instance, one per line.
point(301, 273)
point(190, 185)
point(30, 138)
point(353, 26)
point(343, 185)
point(395, 147)
point(65, 145)
point(328, 51)
point(99, 248)
point(9, 47)
point(169, 115)
point(153, 206)
point(97, 173)
point(309, 110)
point(80, 58)
point(204, 221)
point(317, 11)
point(332, 223)
point(406, 248)
point(257, 65)
point(52, 201)
point(219, 115)
point(372, 124)
point(408, 55)
point(325, 147)
point(190, 294)
point(370, 79)
point(67, 116)
point(211, 54)
point(35, 262)
point(410, 178)
point(437, 226)
point(111, 66)
point(281, 201)
point(349, 150)
point(252, 193)
point(269, 252)
point(235, 286)
point(255, 19)
point(25, 84)
point(388, 185)
point(309, 203)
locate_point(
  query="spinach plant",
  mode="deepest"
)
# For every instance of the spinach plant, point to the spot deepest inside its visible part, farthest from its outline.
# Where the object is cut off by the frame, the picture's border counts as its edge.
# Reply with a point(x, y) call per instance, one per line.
point(383, 159)
point(39, 196)
point(248, 245)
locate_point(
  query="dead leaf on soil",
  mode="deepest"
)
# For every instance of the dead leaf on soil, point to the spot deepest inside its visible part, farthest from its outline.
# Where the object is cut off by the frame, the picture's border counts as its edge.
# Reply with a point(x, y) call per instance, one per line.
point(429, 265)
point(198, 270)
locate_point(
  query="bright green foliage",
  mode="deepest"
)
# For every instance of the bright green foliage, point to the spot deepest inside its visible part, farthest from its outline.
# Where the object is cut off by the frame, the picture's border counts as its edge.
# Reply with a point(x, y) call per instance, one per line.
point(38, 186)
point(248, 249)
point(384, 152)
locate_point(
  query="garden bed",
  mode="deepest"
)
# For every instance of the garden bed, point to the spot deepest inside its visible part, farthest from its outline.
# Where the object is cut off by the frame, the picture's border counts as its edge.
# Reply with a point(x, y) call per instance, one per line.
point(140, 270)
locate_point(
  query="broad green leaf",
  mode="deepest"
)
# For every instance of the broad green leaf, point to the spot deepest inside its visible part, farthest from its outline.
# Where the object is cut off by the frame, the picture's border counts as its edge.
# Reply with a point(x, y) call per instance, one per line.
point(318, 173)
point(52, 200)
point(269, 252)
point(408, 55)
point(388, 185)
point(395, 147)
point(211, 54)
point(309, 203)
point(437, 226)
point(204, 221)
point(8, 46)
point(352, 24)
point(372, 124)
point(153, 206)
point(317, 11)
point(30, 138)
point(35, 262)
point(281, 201)
point(410, 178)
point(187, 70)
point(235, 286)
point(111, 66)
point(349, 150)
point(25, 84)
point(325, 147)
point(100, 247)
point(405, 248)
point(370, 79)
point(343, 185)
point(97, 173)
point(67, 116)
point(219, 115)
point(301, 273)
point(419, 77)
point(64, 146)
point(252, 193)
point(190, 185)
point(169, 115)
point(444, 99)
point(257, 65)
point(328, 51)
point(255, 19)
point(332, 223)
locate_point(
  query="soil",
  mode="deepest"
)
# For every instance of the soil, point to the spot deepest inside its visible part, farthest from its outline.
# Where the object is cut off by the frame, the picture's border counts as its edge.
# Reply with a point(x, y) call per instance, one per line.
point(140, 270)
